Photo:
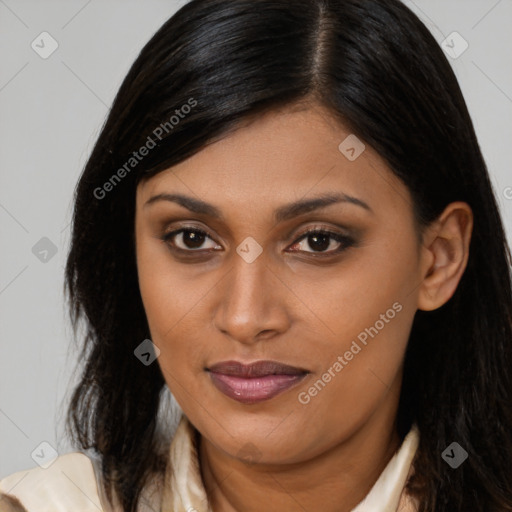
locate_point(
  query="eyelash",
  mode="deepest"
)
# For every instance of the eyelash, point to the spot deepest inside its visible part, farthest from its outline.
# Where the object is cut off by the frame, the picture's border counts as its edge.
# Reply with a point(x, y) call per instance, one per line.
point(345, 240)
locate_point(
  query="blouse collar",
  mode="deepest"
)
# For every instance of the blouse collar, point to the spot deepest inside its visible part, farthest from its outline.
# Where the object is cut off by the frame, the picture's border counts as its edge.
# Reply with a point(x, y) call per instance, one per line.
point(184, 490)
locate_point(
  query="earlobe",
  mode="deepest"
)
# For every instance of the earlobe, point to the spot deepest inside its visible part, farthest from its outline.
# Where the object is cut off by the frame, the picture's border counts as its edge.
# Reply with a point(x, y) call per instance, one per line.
point(445, 252)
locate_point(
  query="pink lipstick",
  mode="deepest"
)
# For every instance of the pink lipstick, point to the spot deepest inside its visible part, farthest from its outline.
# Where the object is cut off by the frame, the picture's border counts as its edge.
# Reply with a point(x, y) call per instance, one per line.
point(254, 382)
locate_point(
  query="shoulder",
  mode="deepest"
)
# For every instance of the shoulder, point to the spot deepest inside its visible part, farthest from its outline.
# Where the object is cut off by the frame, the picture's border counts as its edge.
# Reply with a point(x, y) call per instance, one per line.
point(69, 483)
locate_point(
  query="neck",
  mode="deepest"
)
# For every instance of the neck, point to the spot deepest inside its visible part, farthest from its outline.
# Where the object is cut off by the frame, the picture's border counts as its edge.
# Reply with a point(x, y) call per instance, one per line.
point(335, 481)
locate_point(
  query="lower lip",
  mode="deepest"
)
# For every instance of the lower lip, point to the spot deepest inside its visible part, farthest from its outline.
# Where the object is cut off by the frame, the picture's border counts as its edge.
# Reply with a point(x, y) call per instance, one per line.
point(255, 389)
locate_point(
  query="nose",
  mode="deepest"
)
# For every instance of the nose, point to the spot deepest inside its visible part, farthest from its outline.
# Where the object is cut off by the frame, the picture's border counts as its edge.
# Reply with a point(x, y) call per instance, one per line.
point(252, 302)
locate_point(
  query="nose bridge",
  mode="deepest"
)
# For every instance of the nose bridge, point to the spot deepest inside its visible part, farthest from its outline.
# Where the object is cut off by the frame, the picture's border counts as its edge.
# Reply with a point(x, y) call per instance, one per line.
point(249, 302)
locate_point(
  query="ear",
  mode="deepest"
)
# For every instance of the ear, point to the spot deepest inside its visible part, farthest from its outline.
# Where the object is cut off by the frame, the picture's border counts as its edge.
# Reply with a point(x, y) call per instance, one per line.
point(445, 253)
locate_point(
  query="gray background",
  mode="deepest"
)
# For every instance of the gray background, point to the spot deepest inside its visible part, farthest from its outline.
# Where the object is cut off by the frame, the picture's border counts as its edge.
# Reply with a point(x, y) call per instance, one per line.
point(51, 111)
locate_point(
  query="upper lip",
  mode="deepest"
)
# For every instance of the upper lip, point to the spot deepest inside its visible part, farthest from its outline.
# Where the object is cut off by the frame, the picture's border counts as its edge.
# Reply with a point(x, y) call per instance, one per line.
point(256, 369)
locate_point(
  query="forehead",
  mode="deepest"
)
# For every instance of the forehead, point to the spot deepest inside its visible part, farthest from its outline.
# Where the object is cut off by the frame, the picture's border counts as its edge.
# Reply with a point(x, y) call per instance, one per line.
point(279, 156)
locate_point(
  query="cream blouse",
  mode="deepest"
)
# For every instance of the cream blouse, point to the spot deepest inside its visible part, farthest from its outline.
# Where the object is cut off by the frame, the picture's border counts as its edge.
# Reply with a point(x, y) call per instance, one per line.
point(72, 483)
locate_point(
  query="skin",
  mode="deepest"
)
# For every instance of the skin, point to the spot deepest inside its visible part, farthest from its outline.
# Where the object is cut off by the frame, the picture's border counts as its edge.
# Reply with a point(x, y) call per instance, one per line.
point(291, 306)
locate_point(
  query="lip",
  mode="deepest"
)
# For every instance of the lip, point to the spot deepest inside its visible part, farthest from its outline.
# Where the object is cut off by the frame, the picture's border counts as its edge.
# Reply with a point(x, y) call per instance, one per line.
point(255, 382)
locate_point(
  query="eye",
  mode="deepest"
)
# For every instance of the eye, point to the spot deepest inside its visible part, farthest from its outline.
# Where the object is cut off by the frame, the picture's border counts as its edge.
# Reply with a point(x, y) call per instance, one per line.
point(189, 240)
point(321, 239)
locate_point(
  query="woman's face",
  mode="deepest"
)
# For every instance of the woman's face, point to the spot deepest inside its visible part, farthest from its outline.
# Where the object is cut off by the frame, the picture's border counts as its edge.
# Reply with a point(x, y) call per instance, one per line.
point(255, 288)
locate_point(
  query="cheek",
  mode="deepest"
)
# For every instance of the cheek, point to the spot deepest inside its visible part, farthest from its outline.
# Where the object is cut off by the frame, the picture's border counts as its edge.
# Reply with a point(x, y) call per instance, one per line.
point(347, 301)
point(164, 291)
point(174, 308)
point(366, 312)
point(154, 285)
point(345, 392)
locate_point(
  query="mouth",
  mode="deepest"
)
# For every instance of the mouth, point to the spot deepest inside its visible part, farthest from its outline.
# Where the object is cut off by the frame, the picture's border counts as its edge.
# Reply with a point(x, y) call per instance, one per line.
point(255, 382)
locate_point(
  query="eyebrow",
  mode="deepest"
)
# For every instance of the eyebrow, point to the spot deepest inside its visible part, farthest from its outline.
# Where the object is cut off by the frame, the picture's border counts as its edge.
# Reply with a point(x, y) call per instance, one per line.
point(281, 214)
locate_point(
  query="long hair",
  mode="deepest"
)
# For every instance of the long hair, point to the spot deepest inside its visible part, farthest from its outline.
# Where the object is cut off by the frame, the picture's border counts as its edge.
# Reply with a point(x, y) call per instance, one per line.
point(376, 68)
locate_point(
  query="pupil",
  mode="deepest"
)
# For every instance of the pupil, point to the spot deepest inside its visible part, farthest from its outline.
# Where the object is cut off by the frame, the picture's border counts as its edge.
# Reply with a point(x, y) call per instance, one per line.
point(194, 239)
point(322, 245)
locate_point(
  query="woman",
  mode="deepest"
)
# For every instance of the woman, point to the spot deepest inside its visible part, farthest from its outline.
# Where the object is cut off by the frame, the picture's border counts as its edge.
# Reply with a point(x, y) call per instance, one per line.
point(287, 222)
